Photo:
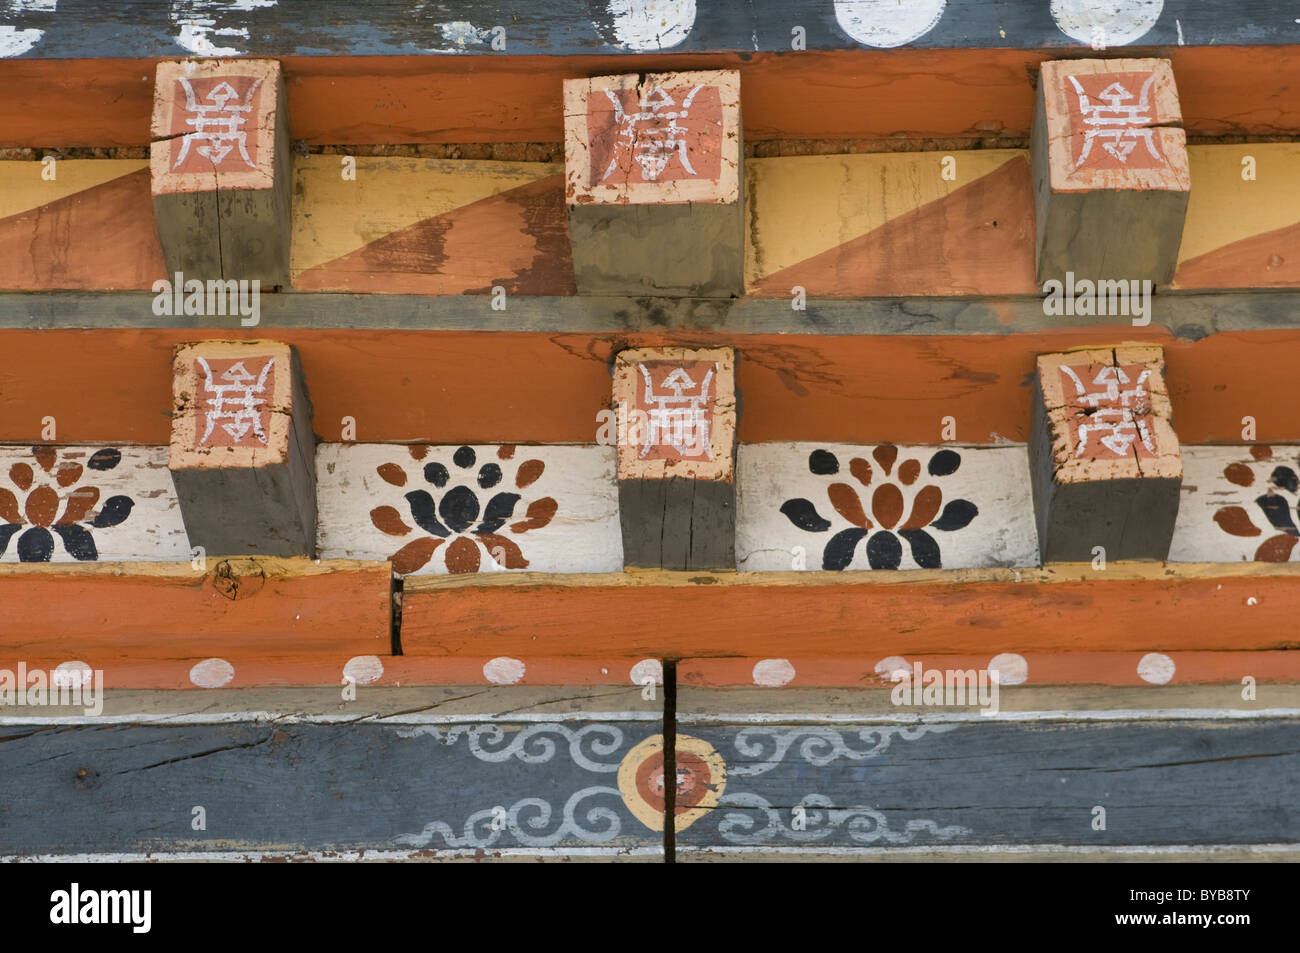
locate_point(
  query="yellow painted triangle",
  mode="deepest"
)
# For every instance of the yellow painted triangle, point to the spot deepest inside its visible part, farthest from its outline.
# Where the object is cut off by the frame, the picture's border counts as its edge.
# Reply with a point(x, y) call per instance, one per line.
point(22, 188)
point(805, 205)
point(1225, 208)
point(334, 216)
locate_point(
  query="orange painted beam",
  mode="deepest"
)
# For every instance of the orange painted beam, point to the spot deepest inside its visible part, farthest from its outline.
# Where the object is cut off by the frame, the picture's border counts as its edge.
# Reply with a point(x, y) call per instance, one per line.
point(105, 386)
point(1063, 668)
point(1066, 608)
point(115, 614)
point(850, 94)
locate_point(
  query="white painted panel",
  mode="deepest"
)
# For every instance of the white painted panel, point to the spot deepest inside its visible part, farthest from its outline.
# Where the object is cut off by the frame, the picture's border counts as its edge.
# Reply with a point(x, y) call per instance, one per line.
point(133, 515)
point(582, 536)
point(994, 480)
point(1222, 487)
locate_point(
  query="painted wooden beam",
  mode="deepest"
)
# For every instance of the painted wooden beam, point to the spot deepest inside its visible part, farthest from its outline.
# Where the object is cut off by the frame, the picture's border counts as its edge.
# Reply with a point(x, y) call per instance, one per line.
point(1186, 317)
point(795, 787)
point(943, 223)
point(1062, 608)
point(220, 170)
point(1013, 669)
point(1110, 170)
point(653, 174)
point(963, 94)
point(78, 29)
point(1104, 456)
point(548, 387)
point(208, 624)
point(675, 415)
point(242, 449)
point(555, 788)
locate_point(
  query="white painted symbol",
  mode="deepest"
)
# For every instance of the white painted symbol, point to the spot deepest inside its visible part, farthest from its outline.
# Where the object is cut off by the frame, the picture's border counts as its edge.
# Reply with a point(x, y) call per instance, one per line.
point(1113, 421)
point(218, 124)
point(678, 420)
point(1118, 123)
point(238, 401)
point(652, 134)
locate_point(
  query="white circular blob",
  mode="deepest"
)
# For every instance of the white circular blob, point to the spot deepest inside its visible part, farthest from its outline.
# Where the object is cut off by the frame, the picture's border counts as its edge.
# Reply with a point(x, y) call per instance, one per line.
point(648, 668)
point(73, 674)
point(1008, 669)
point(1156, 668)
point(894, 667)
point(212, 673)
point(773, 672)
point(888, 23)
point(651, 24)
point(1104, 23)
point(363, 669)
point(503, 670)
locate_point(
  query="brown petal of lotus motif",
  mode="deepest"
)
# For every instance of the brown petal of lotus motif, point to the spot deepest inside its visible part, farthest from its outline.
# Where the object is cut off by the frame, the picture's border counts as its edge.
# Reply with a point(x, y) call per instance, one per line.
point(1276, 549)
point(501, 548)
point(528, 473)
point(845, 500)
point(418, 451)
point(42, 505)
point(885, 455)
point(908, 471)
point(68, 474)
point(45, 456)
point(860, 470)
point(388, 520)
point(506, 451)
point(540, 512)
point(1239, 474)
point(391, 473)
point(925, 507)
point(462, 556)
point(78, 504)
point(1235, 520)
point(9, 509)
point(414, 555)
point(1261, 452)
point(887, 505)
point(21, 474)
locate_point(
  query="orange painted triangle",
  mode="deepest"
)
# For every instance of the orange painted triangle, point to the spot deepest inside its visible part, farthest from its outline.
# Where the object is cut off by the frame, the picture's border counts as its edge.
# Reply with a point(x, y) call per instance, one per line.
point(518, 239)
point(102, 239)
point(978, 240)
point(1268, 260)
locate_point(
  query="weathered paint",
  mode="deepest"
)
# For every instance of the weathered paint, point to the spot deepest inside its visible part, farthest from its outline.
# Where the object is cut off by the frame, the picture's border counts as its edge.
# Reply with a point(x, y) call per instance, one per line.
point(1238, 504)
point(1065, 608)
point(809, 506)
point(548, 387)
point(77, 504)
point(470, 509)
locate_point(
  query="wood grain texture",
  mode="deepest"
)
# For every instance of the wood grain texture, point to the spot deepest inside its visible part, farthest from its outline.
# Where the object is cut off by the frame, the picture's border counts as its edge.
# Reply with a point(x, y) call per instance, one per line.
point(548, 387)
point(231, 608)
point(331, 28)
point(1185, 782)
point(1040, 670)
point(414, 787)
point(471, 509)
point(52, 233)
point(1193, 607)
point(850, 94)
point(810, 506)
point(81, 504)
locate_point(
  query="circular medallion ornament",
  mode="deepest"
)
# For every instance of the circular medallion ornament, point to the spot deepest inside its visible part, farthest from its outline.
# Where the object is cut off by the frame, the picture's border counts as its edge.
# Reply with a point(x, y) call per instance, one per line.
point(701, 779)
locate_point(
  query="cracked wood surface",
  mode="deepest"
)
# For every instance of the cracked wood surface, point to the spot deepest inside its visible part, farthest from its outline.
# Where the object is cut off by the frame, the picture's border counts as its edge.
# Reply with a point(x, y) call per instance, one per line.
point(547, 387)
